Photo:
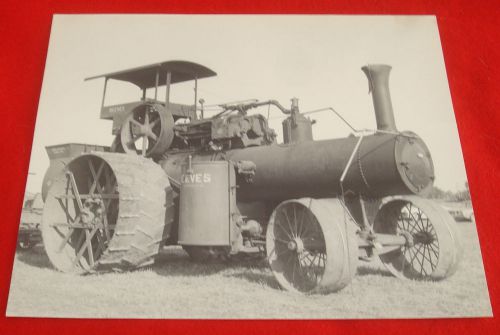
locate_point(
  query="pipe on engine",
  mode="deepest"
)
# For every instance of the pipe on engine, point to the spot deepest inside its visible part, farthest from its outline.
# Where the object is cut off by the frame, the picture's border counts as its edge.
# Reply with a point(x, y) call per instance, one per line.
point(378, 81)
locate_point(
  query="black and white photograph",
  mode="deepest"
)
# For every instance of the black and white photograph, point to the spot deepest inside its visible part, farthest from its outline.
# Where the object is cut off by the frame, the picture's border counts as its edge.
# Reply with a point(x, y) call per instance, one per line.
point(246, 167)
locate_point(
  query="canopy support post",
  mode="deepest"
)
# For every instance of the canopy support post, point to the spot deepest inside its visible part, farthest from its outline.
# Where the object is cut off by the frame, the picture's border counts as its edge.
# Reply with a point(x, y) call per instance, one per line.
point(156, 82)
point(196, 96)
point(167, 89)
point(104, 92)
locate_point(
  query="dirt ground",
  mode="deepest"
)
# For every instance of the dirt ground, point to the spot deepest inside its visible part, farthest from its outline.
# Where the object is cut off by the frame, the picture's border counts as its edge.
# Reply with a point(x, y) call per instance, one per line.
point(178, 288)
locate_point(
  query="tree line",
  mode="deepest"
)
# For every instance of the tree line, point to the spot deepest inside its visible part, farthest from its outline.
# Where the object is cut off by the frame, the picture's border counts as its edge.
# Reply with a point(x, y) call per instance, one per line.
point(461, 195)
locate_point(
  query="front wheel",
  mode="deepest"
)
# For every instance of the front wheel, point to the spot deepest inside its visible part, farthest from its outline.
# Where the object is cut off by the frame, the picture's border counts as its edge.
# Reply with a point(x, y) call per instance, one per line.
point(433, 249)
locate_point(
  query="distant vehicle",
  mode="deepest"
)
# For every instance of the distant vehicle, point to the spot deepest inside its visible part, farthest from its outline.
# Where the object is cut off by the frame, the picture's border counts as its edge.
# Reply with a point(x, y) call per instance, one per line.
point(460, 212)
point(31, 217)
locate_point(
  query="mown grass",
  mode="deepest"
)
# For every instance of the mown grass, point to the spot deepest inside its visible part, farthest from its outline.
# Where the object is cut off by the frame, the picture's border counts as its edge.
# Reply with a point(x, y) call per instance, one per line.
point(178, 288)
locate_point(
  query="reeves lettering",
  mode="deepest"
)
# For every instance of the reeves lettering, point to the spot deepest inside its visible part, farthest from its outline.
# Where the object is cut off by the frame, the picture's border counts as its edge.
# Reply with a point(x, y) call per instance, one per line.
point(196, 178)
point(116, 109)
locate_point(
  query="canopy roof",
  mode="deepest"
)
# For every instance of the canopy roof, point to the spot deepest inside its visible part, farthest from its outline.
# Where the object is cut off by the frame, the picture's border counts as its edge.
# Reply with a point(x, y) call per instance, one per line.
point(145, 76)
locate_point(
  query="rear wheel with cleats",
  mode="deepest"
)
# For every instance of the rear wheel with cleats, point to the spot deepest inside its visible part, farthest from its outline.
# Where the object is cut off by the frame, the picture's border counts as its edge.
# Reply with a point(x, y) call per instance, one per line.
point(107, 211)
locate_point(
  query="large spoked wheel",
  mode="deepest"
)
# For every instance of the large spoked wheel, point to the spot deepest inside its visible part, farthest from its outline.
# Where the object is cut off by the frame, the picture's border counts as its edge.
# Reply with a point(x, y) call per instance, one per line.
point(433, 249)
point(147, 130)
point(106, 212)
point(311, 245)
point(80, 215)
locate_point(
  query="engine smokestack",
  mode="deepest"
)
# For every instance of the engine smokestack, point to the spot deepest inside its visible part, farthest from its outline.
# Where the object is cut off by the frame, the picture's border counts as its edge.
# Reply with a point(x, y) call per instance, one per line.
point(378, 81)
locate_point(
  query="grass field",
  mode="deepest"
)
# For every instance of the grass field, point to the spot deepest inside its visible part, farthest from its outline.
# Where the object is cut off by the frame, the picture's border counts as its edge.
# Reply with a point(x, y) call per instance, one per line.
point(177, 288)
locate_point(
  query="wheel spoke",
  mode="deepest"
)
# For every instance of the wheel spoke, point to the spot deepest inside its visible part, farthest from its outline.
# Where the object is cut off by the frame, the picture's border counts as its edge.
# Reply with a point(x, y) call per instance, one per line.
point(302, 231)
point(135, 122)
point(313, 263)
point(294, 234)
point(65, 240)
point(152, 136)
point(306, 229)
point(80, 246)
point(423, 253)
point(412, 256)
point(295, 217)
point(87, 245)
point(302, 218)
point(65, 209)
point(419, 260)
point(146, 116)
point(75, 190)
point(420, 215)
point(433, 264)
point(427, 258)
point(283, 229)
point(433, 250)
point(96, 176)
point(415, 221)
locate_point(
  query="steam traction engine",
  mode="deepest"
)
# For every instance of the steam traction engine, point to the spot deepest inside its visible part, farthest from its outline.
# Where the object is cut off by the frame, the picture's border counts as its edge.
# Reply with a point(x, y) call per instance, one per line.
point(221, 185)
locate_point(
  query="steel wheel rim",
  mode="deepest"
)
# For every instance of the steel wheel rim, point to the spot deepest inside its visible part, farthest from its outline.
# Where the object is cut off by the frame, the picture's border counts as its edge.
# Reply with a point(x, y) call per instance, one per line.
point(433, 248)
point(298, 251)
point(86, 199)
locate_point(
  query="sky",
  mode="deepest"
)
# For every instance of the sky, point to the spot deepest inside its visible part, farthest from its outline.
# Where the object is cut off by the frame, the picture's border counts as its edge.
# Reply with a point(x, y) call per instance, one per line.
point(317, 59)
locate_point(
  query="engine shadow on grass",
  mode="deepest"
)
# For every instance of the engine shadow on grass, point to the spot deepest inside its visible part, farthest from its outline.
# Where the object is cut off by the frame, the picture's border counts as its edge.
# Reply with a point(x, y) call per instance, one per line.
point(178, 263)
point(364, 270)
point(35, 256)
